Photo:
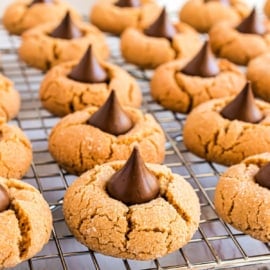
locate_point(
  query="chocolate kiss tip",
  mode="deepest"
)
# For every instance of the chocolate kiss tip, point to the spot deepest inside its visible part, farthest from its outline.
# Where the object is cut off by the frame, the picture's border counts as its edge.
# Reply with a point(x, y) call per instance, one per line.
point(204, 63)
point(4, 199)
point(262, 177)
point(243, 107)
point(40, 2)
point(252, 24)
point(88, 70)
point(111, 118)
point(161, 27)
point(66, 29)
point(133, 183)
point(128, 3)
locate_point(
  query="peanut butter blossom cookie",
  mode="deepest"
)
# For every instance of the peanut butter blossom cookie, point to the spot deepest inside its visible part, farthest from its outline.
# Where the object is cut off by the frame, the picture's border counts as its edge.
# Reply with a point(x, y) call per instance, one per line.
point(242, 196)
point(9, 100)
point(25, 222)
point(227, 130)
point(203, 14)
point(131, 209)
point(22, 15)
point(49, 44)
point(115, 16)
point(72, 86)
point(244, 42)
point(159, 43)
point(96, 135)
point(180, 85)
point(15, 152)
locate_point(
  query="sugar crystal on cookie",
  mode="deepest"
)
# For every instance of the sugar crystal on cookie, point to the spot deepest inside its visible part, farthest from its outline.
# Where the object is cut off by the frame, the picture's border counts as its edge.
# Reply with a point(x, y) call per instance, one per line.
point(66, 29)
point(252, 24)
point(88, 70)
point(204, 63)
point(128, 3)
point(243, 107)
point(133, 183)
point(4, 199)
point(161, 27)
point(262, 177)
point(111, 117)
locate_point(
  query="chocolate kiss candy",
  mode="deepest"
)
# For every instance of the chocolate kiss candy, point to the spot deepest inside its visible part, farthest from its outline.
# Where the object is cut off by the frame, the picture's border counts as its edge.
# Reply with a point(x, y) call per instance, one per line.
point(4, 199)
point(262, 177)
point(40, 2)
point(252, 24)
point(128, 3)
point(204, 63)
point(162, 27)
point(88, 70)
point(243, 107)
point(111, 118)
point(133, 183)
point(66, 29)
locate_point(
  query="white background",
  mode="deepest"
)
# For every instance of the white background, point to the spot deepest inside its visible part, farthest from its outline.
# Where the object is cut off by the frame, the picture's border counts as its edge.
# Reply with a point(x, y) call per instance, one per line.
point(83, 6)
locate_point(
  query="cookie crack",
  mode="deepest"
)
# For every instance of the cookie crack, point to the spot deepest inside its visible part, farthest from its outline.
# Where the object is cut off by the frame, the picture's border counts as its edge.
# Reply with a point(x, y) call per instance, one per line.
point(129, 227)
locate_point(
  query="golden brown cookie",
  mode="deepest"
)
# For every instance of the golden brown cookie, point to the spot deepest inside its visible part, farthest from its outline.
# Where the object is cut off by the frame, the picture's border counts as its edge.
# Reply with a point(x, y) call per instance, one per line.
point(179, 92)
point(150, 52)
point(114, 19)
point(241, 201)
point(15, 150)
point(266, 8)
point(203, 15)
point(62, 95)
point(211, 136)
point(78, 146)
point(140, 231)
point(259, 76)
point(9, 100)
point(19, 16)
point(40, 50)
point(25, 225)
point(238, 47)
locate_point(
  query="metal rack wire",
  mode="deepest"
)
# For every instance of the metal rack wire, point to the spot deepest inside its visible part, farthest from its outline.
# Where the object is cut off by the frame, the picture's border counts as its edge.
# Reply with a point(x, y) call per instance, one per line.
point(215, 244)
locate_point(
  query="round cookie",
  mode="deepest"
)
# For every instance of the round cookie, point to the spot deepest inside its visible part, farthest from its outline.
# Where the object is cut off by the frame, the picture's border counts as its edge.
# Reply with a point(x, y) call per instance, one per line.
point(179, 92)
point(62, 95)
point(149, 51)
point(240, 46)
point(19, 16)
point(140, 231)
point(25, 224)
point(15, 150)
point(211, 136)
point(78, 146)
point(114, 19)
point(202, 15)
point(42, 51)
point(9, 100)
point(237, 185)
point(259, 76)
point(266, 8)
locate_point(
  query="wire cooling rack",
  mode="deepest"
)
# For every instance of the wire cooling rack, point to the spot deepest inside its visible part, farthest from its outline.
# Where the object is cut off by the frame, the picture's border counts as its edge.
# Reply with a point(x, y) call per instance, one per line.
point(215, 245)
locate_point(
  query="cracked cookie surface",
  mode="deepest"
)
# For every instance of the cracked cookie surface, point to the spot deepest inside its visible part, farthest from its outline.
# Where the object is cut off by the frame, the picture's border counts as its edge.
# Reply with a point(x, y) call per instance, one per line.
point(210, 136)
point(181, 93)
point(203, 15)
point(243, 203)
point(41, 51)
point(61, 95)
point(150, 52)
point(18, 17)
point(78, 146)
point(226, 42)
point(113, 19)
point(9, 100)
point(141, 231)
point(26, 226)
point(15, 152)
